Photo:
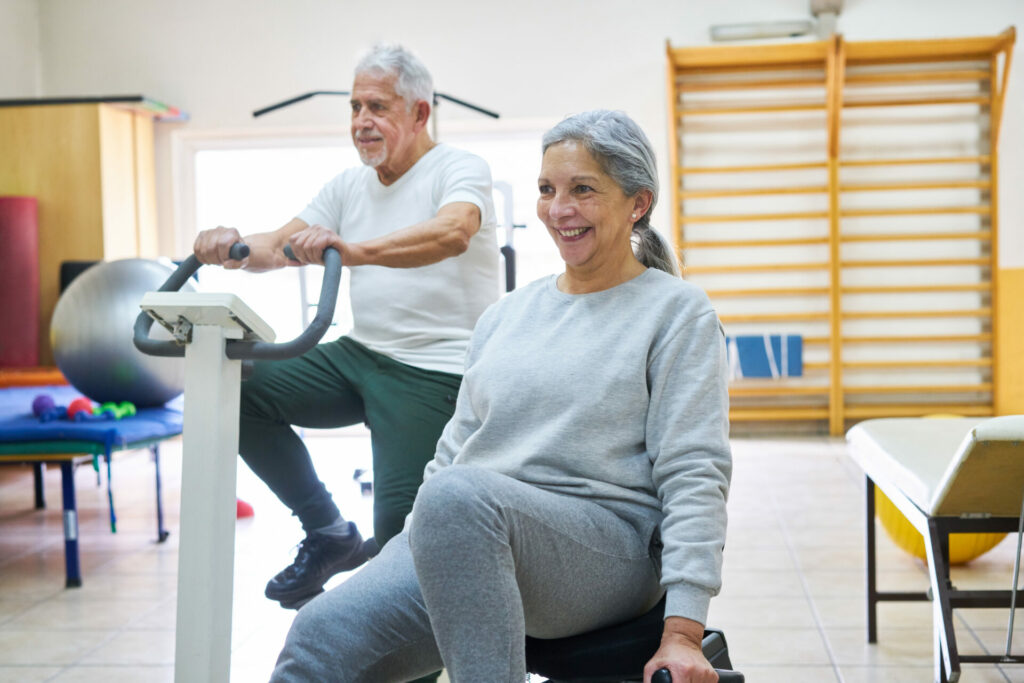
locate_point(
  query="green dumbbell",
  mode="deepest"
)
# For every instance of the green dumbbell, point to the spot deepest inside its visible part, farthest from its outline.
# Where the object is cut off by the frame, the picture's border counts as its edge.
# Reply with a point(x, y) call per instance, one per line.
point(116, 411)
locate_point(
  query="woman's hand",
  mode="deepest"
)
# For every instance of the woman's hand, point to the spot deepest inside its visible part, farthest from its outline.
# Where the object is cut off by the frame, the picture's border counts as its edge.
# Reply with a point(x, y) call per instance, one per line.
point(680, 652)
point(308, 244)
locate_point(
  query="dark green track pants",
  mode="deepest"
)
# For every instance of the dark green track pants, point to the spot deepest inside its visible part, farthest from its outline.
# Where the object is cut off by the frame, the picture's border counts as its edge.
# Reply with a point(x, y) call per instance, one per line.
point(337, 384)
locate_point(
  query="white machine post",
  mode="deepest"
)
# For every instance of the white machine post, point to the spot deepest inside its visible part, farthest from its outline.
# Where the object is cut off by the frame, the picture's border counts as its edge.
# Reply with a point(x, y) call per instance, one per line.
point(206, 556)
point(206, 323)
point(214, 332)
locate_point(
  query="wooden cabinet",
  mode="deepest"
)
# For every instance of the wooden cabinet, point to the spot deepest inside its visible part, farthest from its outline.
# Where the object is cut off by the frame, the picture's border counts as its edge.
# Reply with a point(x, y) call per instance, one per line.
point(846, 192)
point(90, 165)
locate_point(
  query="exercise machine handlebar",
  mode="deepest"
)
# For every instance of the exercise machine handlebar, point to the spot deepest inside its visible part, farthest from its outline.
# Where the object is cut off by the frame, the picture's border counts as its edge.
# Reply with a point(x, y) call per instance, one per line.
point(305, 96)
point(249, 350)
point(724, 676)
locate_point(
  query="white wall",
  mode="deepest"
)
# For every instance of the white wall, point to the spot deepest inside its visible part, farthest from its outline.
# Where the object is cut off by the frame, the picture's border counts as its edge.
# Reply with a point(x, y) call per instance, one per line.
point(883, 19)
point(220, 59)
point(19, 49)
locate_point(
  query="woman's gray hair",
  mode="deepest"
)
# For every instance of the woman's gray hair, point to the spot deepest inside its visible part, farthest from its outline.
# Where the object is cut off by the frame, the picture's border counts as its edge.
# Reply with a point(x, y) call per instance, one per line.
point(412, 83)
point(626, 155)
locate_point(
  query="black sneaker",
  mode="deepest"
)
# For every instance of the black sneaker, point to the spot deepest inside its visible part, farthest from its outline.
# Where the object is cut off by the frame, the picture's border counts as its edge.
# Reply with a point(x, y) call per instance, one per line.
point(297, 604)
point(320, 557)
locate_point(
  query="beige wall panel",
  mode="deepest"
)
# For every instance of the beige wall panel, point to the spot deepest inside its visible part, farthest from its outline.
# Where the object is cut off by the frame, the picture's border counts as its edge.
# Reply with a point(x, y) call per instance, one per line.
point(52, 153)
point(117, 168)
point(145, 187)
point(1010, 377)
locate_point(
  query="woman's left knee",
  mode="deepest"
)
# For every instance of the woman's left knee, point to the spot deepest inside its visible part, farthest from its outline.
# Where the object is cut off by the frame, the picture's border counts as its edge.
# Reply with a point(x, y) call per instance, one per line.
point(457, 498)
point(453, 492)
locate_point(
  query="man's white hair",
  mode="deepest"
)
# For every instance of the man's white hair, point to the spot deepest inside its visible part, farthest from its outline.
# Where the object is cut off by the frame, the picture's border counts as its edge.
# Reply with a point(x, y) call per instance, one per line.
point(412, 80)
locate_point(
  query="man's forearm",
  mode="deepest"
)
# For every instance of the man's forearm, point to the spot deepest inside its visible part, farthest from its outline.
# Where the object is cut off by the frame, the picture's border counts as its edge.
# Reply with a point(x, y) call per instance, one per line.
point(443, 236)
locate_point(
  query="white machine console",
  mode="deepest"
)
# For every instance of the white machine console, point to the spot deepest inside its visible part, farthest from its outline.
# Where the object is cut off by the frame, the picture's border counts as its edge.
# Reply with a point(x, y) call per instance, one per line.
point(179, 311)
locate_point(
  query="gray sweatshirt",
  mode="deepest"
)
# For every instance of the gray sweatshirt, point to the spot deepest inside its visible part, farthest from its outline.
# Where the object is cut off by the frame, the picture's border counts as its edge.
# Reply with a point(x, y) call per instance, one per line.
point(616, 396)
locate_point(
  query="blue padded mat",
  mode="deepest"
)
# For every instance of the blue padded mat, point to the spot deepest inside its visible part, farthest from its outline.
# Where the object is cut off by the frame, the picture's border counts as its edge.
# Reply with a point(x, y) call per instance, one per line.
point(18, 424)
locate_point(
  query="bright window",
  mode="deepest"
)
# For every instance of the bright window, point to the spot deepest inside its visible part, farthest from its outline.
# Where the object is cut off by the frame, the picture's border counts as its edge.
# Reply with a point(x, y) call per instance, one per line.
point(256, 189)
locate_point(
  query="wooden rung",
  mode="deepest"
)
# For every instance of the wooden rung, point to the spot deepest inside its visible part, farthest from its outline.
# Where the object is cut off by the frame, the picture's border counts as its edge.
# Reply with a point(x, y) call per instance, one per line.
point(745, 84)
point(766, 291)
point(979, 235)
point(911, 101)
point(946, 363)
point(980, 209)
point(716, 244)
point(799, 166)
point(902, 263)
point(722, 218)
point(914, 410)
point(752, 191)
point(810, 70)
point(918, 289)
point(983, 338)
point(948, 313)
point(776, 390)
point(814, 341)
point(984, 387)
point(822, 365)
point(754, 268)
point(776, 414)
point(946, 75)
point(773, 317)
point(743, 57)
point(754, 109)
point(733, 63)
point(934, 58)
point(685, 74)
point(929, 185)
point(944, 49)
point(983, 159)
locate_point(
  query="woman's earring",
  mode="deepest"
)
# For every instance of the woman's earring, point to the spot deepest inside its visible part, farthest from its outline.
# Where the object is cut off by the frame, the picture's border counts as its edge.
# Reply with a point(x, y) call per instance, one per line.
point(634, 216)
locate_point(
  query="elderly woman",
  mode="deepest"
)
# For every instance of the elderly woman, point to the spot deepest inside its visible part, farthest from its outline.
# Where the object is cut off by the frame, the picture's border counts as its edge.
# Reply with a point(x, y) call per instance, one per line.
point(585, 471)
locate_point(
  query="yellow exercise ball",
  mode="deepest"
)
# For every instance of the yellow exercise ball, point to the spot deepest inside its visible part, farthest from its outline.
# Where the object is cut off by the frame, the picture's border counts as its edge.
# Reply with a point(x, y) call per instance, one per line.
point(962, 547)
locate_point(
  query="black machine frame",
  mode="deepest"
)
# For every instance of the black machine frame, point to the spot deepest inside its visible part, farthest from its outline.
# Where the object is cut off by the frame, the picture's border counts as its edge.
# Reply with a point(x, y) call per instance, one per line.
point(945, 596)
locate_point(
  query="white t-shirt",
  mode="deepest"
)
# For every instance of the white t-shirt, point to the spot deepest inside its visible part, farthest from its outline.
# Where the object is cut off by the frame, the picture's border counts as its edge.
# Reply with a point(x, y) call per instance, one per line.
point(419, 316)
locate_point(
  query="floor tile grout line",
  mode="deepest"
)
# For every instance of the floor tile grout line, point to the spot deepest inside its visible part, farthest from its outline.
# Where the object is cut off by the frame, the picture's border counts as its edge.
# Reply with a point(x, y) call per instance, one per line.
point(979, 642)
point(61, 672)
point(806, 589)
point(112, 634)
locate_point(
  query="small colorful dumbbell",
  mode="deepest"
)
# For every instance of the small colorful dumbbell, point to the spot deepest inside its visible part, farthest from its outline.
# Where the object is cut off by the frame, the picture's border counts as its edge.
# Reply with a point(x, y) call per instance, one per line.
point(80, 406)
point(46, 409)
point(115, 411)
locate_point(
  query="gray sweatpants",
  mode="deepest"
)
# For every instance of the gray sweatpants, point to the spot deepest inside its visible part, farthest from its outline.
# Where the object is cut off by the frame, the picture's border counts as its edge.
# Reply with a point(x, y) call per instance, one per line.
point(486, 560)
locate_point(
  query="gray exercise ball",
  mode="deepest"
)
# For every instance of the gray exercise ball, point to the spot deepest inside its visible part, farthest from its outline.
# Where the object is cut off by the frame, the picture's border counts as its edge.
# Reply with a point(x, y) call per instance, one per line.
point(91, 335)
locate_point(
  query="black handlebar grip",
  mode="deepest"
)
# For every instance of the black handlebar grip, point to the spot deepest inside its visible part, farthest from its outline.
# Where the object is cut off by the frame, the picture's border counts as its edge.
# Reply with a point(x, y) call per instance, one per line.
point(238, 251)
point(665, 676)
point(291, 254)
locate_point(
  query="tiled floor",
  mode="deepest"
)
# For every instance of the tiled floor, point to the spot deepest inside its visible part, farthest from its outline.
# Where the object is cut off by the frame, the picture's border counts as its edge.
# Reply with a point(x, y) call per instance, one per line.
point(792, 605)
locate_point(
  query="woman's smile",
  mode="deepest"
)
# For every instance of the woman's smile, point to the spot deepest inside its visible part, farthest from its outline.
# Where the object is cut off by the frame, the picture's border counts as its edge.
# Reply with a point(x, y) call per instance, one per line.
point(572, 234)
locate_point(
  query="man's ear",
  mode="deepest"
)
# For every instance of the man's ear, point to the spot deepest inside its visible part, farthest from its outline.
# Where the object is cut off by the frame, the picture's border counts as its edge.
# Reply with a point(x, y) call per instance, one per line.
point(422, 113)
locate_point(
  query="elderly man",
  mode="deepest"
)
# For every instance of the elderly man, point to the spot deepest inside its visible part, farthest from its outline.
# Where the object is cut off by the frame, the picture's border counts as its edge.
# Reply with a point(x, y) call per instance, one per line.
point(415, 225)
